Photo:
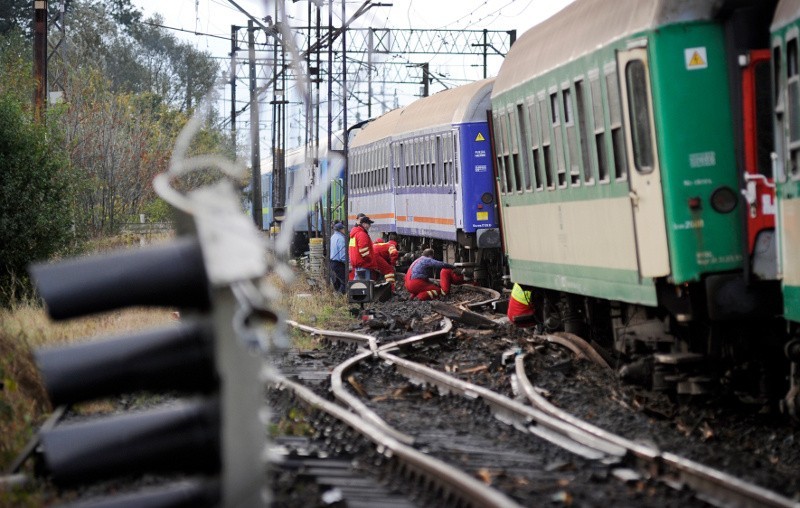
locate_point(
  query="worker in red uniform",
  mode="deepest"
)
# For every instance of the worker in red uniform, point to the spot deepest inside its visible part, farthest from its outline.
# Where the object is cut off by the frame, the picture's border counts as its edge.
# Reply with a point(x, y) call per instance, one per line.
point(520, 307)
point(362, 254)
point(387, 253)
point(360, 250)
point(418, 284)
point(387, 249)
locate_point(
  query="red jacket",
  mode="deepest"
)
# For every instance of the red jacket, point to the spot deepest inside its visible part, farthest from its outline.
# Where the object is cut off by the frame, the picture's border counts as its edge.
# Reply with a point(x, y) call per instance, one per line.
point(387, 250)
point(360, 249)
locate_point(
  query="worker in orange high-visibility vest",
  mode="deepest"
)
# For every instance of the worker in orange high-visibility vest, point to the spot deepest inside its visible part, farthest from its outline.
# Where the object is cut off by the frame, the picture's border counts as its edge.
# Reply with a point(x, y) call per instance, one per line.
point(520, 307)
point(363, 256)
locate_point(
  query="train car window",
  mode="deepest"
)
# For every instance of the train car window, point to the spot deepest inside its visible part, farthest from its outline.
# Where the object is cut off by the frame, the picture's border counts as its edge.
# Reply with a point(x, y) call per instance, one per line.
point(427, 164)
point(502, 152)
point(546, 127)
point(407, 163)
point(515, 142)
point(412, 162)
point(424, 162)
point(452, 156)
point(558, 140)
point(435, 165)
point(777, 74)
point(572, 137)
point(395, 165)
point(509, 137)
point(615, 117)
point(445, 160)
point(388, 170)
point(387, 166)
point(431, 161)
point(639, 111)
point(438, 168)
point(423, 177)
point(599, 129)
point(402, 165)
point(420, 158)
point(418, 174)
point(501, 160)
point(524, 142)
point(369, 169)
point(456, 158)
point(378, 167)
point(793, 106)
point(583, 101)
point(535, 145)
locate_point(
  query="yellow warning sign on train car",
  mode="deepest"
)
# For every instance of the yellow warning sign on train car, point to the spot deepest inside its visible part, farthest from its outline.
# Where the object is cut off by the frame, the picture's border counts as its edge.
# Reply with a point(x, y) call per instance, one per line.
point(480, 137)
point(696, 58)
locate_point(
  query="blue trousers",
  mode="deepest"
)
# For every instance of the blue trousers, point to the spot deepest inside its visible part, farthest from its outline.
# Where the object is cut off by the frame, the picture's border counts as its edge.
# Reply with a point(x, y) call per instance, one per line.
point(338, 276)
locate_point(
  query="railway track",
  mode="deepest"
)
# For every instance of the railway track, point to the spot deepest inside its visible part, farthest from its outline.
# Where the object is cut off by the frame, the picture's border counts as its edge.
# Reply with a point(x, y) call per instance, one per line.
point(624, 459)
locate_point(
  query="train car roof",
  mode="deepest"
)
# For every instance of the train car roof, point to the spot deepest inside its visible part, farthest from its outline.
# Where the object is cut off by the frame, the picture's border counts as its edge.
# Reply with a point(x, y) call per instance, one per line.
point(786, 12)
point(467, 103)
point(586, 25)
point(380, 128)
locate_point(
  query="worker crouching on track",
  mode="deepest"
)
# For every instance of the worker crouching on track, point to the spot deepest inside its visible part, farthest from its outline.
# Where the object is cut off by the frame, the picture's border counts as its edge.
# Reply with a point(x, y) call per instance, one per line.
point(388, 252)
point(521, 311)
point(418, 284)
point(363, 256)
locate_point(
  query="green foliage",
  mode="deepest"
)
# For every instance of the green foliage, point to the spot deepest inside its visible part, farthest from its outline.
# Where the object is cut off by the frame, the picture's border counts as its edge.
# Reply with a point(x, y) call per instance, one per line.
point(15, 15)
point(157, 210)
point(35, 191)
point(16, 67)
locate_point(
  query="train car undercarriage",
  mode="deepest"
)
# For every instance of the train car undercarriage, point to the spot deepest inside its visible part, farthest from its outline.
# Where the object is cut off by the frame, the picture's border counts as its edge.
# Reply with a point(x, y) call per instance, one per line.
point(680, 350)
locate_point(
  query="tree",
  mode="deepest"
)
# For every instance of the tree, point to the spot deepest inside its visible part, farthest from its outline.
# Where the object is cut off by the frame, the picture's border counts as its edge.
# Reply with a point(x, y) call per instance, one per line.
point(138, 56)
point(16, 15)
point(35, 192)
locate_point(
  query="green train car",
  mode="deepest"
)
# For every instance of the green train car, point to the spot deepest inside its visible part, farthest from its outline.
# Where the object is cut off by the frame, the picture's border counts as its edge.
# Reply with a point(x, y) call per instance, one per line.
point(635, 185)
point(786, 107)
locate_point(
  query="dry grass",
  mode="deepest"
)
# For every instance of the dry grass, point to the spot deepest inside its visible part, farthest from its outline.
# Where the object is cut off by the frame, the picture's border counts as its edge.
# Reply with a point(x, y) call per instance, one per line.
point(23, 404)
point(312, 303)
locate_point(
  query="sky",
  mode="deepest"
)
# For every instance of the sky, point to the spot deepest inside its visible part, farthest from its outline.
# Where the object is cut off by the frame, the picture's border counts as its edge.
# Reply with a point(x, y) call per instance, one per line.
point(207, 25)
point(215, 17)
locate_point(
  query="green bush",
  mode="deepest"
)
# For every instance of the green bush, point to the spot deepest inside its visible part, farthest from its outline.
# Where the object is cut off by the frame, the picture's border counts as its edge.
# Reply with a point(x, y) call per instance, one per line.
point(35, 190)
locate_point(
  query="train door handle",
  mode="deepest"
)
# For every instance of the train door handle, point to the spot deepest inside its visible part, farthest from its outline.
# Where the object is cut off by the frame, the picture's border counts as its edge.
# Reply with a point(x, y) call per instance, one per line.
point(634, 198)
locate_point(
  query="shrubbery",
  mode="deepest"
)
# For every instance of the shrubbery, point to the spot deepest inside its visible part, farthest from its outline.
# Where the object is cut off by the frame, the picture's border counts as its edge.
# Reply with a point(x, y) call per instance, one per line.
point(35, 196)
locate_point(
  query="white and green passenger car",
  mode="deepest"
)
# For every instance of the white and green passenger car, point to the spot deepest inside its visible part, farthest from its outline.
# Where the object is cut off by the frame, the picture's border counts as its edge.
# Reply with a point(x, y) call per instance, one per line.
point(620, 132)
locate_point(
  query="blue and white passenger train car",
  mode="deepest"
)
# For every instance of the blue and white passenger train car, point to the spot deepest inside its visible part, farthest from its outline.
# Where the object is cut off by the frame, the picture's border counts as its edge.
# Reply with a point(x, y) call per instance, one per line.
point(296, 183)
point(425, 172)
point(371, 187)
